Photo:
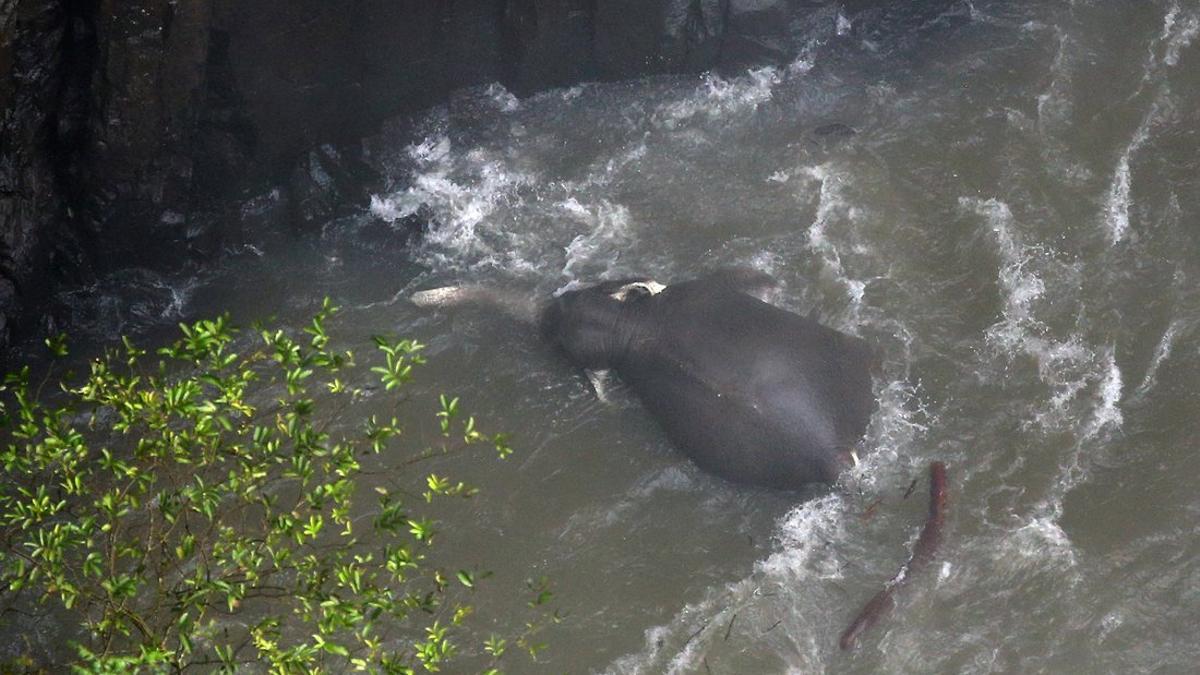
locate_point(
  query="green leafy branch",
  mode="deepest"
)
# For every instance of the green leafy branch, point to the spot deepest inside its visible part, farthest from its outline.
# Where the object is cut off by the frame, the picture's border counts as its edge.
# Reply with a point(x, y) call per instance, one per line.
point(193, 510)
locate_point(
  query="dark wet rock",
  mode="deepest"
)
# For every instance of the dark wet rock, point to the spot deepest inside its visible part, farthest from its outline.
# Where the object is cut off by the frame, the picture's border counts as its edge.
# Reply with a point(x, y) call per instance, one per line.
point(8, 298)
point(35, 209)
point(327, 182)
point(377, 234)
point(263, 223)
point(119, 303)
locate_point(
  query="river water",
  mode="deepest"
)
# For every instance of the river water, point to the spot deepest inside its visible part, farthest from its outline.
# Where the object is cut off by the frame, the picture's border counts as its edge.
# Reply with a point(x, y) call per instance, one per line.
point(1002, 197)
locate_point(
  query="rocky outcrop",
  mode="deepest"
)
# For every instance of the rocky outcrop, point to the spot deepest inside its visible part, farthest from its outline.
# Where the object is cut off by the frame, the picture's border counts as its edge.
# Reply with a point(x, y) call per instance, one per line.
point(131, 129)
point(42, 49)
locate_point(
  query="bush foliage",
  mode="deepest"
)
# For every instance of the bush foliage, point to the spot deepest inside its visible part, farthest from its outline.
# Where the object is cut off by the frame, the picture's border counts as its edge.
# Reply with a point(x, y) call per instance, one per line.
point(190, 509)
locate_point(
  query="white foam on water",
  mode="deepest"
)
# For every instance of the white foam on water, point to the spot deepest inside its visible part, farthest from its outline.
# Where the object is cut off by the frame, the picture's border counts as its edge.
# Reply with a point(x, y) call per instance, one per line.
point(804, 557)
point(1178, 33)
point(1116, 205)
point(181, 294)
point(1042, 539)
point(801, 66)
point(844, 25)
point(1054, 105)
point(901, 422)
point(945, 570)
point(615, 165)
point(505, 101)
point(1107, 413)
point(718, 97)
point(834, 212)
point(492, 210)
point(1111, 622)
point(464, 191)
point(1162, 352)
point(606, 232)
point(1019, 283)
point(430, 149)
point(1116, 213)
point(260, 204)
point(802, 537)
point(1068, 366)
point(1169, 21)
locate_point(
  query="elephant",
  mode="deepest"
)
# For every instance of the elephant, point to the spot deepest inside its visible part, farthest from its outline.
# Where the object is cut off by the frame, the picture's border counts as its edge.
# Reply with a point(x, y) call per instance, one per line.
point(751, 392)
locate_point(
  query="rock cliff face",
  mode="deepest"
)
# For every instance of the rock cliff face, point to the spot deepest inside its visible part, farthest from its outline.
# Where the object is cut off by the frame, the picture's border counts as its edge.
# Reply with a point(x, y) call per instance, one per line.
point(127, 125)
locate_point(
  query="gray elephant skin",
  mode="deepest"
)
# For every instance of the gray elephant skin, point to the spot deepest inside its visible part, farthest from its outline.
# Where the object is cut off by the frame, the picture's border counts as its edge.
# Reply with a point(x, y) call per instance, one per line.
point(752, 393)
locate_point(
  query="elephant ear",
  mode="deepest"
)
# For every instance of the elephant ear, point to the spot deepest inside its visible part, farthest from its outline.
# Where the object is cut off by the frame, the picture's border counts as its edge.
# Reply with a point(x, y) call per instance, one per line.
point(752, 282)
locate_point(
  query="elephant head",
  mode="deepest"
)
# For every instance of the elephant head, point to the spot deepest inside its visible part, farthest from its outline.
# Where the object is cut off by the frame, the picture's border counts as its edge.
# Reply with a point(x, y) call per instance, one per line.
point(594, 326)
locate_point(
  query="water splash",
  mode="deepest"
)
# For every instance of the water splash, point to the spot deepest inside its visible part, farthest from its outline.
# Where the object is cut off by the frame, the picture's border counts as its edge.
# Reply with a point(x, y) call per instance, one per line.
point(719, 97)
point(834, 209)
point(1162, 352)
point(1020, 284)
point(1042, 540)
point(1066, 365)
point(505, 101)
point(1044, 527)
point(1116, 207)
point(606, 230)
point(844, 25)
point(804, 557)
point(1178, 33)
point(128, 301)
point(1107, 413)
point(464, 192)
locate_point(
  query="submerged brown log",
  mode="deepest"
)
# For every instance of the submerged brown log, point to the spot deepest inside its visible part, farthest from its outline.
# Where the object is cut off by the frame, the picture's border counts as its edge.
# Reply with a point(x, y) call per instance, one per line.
point(923, 552)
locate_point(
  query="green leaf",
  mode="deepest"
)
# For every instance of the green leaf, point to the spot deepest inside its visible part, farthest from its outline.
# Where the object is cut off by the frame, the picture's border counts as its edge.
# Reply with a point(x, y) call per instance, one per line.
point(57, 344)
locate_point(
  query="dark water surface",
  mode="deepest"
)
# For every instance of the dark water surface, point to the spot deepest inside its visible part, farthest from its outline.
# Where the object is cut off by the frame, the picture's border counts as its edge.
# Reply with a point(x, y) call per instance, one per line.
point(1002, 196)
